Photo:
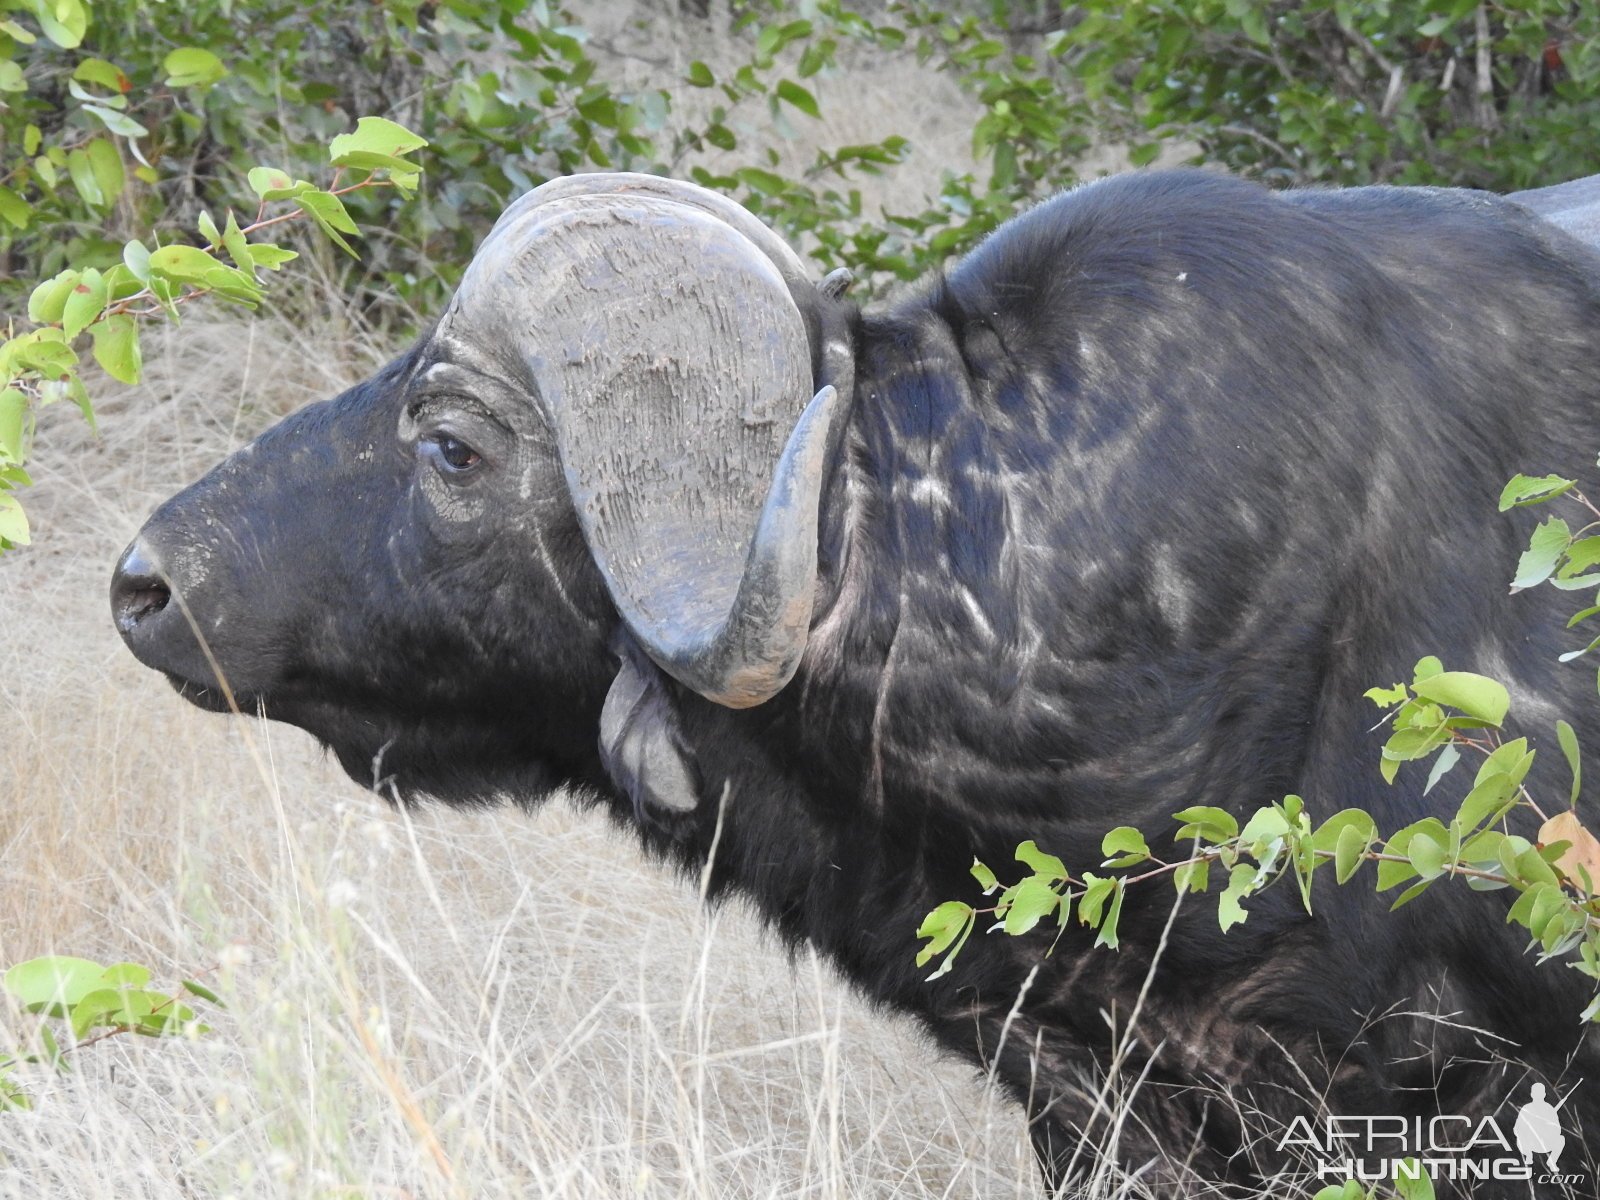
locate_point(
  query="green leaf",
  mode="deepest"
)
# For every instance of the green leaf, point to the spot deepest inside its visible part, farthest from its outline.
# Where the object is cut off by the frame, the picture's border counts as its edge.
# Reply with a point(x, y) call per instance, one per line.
point(402, 173)
point(191, 66)
point(13, 423)
point(52, 1048)
point(955, 932)
point(1327, 836)
point(1033, 899)
point(116, 347)
point(64, 21)
point(1194, 876)
point(1475, 695)
point(1509, 759)
point(1489, 800)
point(1522, 910)
point(264, 254)
point(49, 300)
point(1410, 744)
point(1426, 666)
point(1581, 555)
point(1387, 697)
point(99, 71)
point(1230, 910)
point(1572, 654)
point(84, 303)
point(1448, 758)
point(1124, 846)
point(794, 94)
point(1410, 894)
point(203, 992)
point(106, 164)
point(1526, 489)
point(272, 184)
point(816, 56)
point(943, 925)
point(1265, 825)
point(374, 136)
point(125, 974)
point(328, 212)
point(1348, 853)
point(1108, 928)
point(1392, 874)
point(1569, 747)
point(184, 264)
point(1426, 855)
point(762, 181)
point(14, 209)
point(100, 1005)
point(11, 77)
point(237, 245)
point(1037, 860)
point(1142, 154)
point(1092, 903)
point(13, 521)
point(1206, 824)
point(136, 257)
point(116, 122)
point(985, 877)
point(700, 75)
point(42, 983)
point(1254, 23)
point(1545, 548)
point(1530, 867)
point(81, 172)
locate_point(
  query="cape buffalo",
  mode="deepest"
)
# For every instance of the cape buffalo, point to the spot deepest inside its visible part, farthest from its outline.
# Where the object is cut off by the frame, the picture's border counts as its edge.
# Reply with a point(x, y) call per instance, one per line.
point(1119, 514)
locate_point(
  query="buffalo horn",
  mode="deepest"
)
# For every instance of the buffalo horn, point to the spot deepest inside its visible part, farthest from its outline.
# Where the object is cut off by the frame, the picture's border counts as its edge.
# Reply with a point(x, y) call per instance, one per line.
point(659, 327)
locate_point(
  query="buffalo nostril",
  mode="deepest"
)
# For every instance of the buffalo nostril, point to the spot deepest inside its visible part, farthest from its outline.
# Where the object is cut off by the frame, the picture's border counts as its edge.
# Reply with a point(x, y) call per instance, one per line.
point(137, 592)
point(135, 605)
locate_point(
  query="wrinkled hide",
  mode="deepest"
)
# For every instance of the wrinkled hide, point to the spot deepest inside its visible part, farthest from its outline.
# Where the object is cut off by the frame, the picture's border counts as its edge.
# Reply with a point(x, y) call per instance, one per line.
point(1126, 512)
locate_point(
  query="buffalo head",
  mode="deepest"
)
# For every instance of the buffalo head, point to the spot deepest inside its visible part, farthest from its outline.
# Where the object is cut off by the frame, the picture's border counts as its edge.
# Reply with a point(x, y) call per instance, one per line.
point(611, 446)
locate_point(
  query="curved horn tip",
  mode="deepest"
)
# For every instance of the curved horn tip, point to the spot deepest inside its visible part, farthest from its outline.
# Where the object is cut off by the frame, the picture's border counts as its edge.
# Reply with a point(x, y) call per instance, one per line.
point(837, 282)
point(758, 649)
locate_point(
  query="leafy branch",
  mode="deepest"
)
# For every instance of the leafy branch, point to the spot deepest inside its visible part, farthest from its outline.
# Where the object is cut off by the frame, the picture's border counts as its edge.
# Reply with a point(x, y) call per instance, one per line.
point(114, 1001)
point(43, 365)
point(1439, 712)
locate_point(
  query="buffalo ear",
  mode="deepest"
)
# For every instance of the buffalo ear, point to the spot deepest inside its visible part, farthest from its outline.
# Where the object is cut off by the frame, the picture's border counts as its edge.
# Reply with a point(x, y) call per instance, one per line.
point(641, 743)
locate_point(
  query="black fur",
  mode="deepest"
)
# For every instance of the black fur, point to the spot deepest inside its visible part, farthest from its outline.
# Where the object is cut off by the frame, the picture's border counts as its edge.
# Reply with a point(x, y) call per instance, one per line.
point(1133, 505)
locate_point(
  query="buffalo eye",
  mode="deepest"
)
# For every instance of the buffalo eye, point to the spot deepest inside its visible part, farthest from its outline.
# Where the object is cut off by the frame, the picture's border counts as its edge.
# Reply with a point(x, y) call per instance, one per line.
point(450, 454)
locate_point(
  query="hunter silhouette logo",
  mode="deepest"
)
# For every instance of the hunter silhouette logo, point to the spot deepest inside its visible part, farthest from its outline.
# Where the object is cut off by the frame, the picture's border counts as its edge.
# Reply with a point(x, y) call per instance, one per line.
point(1381, 1149)
point(1538, 1129)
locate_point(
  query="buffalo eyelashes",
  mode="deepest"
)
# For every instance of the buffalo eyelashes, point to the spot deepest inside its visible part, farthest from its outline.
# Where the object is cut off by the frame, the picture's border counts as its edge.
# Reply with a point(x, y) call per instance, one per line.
point(449, 453)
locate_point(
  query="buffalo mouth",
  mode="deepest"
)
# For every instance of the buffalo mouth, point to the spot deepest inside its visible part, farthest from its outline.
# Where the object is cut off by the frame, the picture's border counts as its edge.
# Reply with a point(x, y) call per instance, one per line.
point(356, 742)
point(213, 698)
point(464, 758)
